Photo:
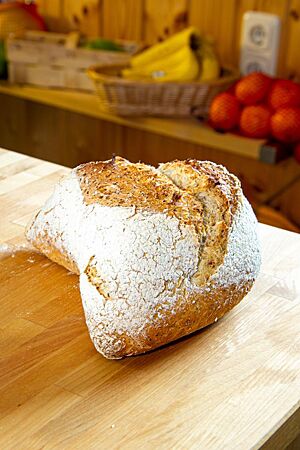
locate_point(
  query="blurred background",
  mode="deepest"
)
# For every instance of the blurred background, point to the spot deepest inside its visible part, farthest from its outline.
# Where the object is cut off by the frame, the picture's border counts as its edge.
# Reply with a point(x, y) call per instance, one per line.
point(156, 80)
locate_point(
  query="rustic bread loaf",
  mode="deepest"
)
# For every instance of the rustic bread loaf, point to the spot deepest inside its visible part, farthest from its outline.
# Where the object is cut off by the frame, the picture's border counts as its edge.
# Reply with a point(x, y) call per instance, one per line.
point(160, 252)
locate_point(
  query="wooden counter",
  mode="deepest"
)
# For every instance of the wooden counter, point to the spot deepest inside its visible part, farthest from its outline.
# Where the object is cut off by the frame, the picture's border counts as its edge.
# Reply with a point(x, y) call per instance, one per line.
point(234, 385)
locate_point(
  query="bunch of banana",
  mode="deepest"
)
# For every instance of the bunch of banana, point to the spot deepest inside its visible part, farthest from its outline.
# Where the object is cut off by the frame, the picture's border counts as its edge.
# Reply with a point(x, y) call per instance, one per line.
point(183, 57)
point(179, 66)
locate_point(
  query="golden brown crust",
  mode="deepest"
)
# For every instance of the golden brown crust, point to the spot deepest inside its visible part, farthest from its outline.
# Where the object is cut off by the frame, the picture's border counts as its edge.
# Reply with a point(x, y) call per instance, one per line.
point(205, 177)
point(203, 309)
point(120, 183)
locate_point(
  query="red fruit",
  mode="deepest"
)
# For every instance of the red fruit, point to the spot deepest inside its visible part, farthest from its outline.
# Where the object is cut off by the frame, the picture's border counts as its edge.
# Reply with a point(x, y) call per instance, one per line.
point(224, 111)
point(284, 93)
point(297, 153)
point(255, 121)
point(253, 88)
point(285, 125)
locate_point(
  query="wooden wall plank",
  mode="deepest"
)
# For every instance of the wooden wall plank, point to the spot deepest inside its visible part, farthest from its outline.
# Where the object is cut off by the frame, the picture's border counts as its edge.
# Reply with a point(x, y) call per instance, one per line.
point(293, 40)
point(56, 135)
point(91, 139)
point(163, 18)
point(44, 131)
point(83, 15)
point(52, 13)
point(216, 19)
point(122, 19)
point(153, 20)
point(12, 122)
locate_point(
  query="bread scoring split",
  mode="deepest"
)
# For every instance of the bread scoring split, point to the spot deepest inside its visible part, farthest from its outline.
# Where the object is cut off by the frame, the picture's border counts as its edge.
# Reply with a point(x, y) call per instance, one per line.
point(160, 252)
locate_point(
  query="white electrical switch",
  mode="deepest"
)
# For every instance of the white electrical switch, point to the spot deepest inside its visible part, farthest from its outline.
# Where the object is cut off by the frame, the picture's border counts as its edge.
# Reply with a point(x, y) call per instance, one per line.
point(259, 43)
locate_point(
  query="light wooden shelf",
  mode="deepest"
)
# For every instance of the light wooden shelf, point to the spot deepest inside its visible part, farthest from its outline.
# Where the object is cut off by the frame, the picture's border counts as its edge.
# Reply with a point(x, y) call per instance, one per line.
point(188, 130)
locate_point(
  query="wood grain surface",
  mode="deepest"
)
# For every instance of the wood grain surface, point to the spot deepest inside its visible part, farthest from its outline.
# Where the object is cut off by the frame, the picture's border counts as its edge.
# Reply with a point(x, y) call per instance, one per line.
point(234, 385)
point(151, 20)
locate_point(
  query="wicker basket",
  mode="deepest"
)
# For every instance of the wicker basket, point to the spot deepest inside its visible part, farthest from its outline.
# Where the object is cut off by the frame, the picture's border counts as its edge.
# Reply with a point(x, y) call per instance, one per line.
point(140, 98)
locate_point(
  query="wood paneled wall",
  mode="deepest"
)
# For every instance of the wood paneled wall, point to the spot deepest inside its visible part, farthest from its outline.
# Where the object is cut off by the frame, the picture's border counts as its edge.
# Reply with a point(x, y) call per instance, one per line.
point(153, 20)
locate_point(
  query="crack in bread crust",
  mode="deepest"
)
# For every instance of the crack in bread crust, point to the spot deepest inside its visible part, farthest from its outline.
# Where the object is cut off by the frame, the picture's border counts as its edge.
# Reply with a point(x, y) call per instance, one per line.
point(219, 192)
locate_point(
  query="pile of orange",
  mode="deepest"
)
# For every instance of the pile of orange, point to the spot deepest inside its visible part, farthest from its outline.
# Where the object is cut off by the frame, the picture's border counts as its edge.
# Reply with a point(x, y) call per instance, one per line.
point(260, 107)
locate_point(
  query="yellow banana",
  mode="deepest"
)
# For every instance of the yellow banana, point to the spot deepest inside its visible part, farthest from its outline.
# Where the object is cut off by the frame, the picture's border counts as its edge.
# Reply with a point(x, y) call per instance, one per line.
point(181, 66)
point(172, 60)
point(186, 71)
point(210, 69)
point(166, 48)
point(209, 63)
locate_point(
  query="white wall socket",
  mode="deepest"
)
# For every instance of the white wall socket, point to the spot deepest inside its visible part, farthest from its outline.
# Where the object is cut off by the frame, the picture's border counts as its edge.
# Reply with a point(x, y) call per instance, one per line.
point(259, 43)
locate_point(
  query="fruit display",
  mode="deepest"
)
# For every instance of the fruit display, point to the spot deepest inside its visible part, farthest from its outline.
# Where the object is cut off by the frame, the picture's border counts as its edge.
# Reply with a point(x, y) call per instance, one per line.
point(260, 107)
point(185, 56)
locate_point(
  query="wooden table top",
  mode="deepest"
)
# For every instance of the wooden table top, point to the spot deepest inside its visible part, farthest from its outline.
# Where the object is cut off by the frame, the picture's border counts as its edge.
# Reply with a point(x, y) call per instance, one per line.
point(233, 385)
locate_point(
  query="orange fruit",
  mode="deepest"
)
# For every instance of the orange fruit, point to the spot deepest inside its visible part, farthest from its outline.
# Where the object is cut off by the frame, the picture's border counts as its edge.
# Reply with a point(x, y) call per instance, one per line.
point(297, 152)
point(253, 88)
point(284, 93)
point(255, 121)
point(224, 111)
point(285, 125)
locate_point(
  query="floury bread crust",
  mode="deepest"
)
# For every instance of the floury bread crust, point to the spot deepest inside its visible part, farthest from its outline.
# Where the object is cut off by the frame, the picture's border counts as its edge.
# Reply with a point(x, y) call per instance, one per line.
point(160, 252)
